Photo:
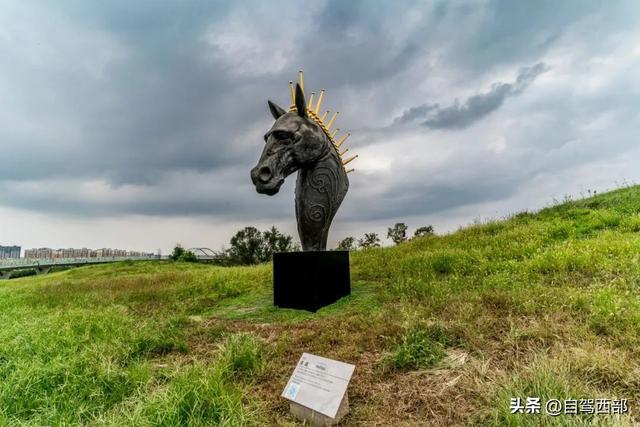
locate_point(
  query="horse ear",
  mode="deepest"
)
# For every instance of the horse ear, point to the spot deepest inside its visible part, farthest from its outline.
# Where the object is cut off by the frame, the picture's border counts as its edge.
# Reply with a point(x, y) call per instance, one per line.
point(301, 104)
point(276, 110)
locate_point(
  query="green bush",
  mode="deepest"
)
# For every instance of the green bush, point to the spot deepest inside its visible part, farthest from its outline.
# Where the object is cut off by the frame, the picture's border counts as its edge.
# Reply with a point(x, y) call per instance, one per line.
point(180, 254)
point(188, 256)
point(242, 354)
point(417, 350)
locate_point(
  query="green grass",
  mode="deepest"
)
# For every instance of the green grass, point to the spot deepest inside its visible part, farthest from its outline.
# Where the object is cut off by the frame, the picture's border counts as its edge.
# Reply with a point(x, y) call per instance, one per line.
point(242, 355)
point(443, 330)
point(420, 347)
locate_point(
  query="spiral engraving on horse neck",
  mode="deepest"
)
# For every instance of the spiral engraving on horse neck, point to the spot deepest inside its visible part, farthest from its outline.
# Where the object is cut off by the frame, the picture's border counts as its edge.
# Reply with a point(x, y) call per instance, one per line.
point(324, 181)
point(317, 213)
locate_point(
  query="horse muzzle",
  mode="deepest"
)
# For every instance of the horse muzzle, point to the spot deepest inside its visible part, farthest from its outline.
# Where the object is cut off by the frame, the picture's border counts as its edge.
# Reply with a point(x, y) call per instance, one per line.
point(265, 180)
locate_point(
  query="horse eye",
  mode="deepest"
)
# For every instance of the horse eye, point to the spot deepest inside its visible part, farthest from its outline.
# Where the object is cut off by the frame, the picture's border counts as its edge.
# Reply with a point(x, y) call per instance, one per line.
point(282, 135)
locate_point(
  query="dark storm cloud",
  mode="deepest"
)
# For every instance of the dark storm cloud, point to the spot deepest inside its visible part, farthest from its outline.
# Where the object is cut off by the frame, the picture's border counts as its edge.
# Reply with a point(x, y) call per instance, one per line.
point(415, 113)
point(459, 116)
point(164, 101)
point(147, 112)
point(136, 93)
point(349, 47)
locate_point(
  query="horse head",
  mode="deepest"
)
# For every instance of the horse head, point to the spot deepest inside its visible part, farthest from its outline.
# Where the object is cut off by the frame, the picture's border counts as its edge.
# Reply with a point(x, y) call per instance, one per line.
point(293, 142)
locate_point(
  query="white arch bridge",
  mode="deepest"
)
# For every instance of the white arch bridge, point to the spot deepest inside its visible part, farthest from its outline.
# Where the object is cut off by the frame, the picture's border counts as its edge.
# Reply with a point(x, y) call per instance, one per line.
point(205, 254)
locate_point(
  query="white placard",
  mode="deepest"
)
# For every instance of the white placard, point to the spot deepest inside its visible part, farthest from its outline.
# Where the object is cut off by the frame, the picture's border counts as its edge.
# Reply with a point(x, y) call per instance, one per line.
point(319, 383)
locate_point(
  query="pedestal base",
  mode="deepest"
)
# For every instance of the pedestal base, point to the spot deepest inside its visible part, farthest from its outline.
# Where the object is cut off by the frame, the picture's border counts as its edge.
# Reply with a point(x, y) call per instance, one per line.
point(310, 280)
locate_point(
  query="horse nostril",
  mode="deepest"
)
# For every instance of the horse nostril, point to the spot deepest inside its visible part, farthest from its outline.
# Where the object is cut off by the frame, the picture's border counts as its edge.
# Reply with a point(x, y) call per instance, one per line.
point(264, 174)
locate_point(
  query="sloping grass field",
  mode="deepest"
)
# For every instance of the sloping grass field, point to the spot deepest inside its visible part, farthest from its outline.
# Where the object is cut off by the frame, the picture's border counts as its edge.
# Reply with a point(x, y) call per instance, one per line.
point(443, 330)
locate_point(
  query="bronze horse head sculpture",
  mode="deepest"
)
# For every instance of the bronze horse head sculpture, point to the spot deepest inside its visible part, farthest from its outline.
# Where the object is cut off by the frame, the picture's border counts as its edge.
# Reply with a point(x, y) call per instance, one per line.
point(300, 141)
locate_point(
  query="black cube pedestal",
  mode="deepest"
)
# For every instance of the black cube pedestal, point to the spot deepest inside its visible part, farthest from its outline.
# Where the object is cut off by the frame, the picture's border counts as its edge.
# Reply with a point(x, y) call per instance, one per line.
point(310, 280)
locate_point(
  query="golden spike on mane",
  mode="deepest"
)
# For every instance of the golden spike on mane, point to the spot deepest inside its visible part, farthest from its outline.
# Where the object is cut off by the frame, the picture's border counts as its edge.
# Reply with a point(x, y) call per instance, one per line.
point(332, 119)
point(349, 159)
point(319, 102)
point(343, 139)
point(313, 112)
point(301, 79)
point(293, 94)
point(310, 104)
point(350, 170)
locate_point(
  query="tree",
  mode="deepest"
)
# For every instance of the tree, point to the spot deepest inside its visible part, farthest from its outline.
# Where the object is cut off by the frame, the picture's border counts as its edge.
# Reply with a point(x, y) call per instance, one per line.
point(398, 233)
point(178, 251)
point(247, 246)
point(275, 241)
point(188, 256)
point(250, 246)
point(347, 244)
point(180, 254)
point(424, 231)
point(370, 240)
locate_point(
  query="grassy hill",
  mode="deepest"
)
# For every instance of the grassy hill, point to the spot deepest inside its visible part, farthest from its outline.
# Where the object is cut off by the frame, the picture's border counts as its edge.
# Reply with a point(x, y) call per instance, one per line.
point(443, 330)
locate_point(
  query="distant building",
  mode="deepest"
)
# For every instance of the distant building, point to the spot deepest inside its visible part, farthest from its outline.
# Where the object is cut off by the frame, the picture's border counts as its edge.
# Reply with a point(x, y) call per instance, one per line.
point(45, 253)
point(104, 252)
point(10, 252)
point(30, 253)
point(41, 253)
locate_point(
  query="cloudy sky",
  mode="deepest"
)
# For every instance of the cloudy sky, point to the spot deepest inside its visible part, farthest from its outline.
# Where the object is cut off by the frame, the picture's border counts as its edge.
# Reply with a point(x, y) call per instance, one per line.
point(135, 124)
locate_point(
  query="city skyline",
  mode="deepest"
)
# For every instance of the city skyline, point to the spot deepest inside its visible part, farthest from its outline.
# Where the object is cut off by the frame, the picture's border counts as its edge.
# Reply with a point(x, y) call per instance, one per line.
point(80, 253)
point(15, 251)
point(129, 125)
